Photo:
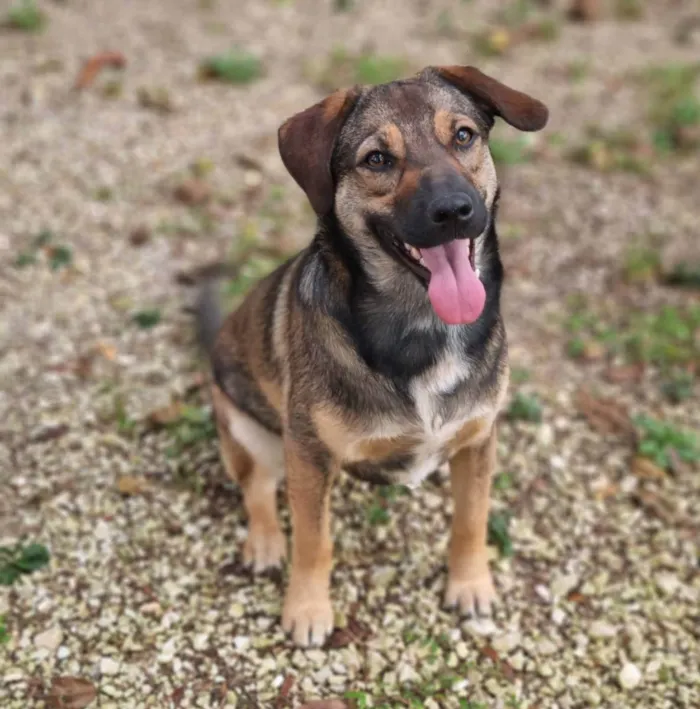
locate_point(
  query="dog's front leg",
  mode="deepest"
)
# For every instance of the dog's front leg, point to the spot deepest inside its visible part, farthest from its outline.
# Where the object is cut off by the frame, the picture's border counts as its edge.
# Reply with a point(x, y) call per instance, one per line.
point(307, 612)
point(469, 583)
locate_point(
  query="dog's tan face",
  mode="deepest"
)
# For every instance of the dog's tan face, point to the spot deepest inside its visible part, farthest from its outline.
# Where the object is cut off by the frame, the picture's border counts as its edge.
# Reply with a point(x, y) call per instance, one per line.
point(407, 170)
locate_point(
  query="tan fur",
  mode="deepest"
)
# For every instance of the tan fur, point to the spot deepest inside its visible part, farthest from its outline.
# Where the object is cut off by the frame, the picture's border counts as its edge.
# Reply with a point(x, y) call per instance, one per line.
point(469, 582)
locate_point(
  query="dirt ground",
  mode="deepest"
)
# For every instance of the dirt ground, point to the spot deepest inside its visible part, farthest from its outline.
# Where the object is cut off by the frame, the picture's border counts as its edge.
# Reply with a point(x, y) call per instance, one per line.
point(108, 192)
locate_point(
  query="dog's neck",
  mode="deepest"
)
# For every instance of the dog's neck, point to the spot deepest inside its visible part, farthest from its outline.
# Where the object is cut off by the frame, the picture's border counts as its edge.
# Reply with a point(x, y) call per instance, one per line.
point(392, 325)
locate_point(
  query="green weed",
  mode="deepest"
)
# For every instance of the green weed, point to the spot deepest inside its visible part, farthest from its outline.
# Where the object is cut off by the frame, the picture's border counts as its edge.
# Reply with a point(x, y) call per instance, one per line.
point(674, 106)
point(26, 16)
point(146, 319)
point(21, 559)
point(641, 264)
point(629, 9)
point(4, 632)
point(503, 481)
point(659, 438)
point(510, 151)
point(235, 67)
point(678, 386)
point(498, 533)
point(344, 68)
point(613, 150)
point(194, 425)
point(525, 408)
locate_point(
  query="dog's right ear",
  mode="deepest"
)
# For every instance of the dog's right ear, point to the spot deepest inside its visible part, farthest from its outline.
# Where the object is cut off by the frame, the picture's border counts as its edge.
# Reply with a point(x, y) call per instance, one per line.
point(306, 142)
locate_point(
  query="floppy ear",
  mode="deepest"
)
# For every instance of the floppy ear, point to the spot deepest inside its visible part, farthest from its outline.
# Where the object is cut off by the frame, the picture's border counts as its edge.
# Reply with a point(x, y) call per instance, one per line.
point(306, 142)
point(518, 109)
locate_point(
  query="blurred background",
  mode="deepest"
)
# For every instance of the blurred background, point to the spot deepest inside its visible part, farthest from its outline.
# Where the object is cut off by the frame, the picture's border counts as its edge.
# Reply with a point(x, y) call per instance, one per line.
point(137, 145)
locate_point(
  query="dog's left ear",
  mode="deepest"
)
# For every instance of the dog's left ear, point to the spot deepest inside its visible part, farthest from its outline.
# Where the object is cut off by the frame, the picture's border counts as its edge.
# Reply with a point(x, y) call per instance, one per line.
point(520, 110)
point(306, 142)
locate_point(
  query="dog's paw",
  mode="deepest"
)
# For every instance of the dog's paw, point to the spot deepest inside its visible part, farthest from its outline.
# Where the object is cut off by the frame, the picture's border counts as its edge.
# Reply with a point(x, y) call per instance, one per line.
point(264, 549)
point(472, 595)
point(309, 618)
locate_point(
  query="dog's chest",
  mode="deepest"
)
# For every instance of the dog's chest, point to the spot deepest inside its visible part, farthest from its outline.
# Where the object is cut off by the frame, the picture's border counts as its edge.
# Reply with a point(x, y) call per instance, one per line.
point(445, 418)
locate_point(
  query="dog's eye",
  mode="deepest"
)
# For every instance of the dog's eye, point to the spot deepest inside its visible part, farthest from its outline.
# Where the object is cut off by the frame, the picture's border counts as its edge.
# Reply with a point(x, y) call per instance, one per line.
point(464, 136)
point(377, 160)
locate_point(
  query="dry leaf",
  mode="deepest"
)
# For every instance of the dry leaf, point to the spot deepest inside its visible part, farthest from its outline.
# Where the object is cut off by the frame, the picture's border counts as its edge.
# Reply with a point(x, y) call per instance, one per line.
point(326, 704)
point(107, 351)
point(585, 10)
point(505, 667)
point(131, 485)
point(624, 373)
point(647, 470)
point(70, 693)
point(606, 491)
point(605, 415)
point(192, 192)
point(51, 433)
point(92, 67)
point(656, 505)
point(167, 414)
point(285, 689)
point(139, 236)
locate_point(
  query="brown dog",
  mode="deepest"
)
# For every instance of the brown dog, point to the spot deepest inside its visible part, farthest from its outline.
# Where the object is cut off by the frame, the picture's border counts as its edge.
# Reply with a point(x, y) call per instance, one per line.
point(380, 348)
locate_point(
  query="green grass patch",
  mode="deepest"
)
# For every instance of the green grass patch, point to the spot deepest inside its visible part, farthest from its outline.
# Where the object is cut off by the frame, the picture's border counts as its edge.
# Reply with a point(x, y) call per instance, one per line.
point(20, 560)
point(148, 318)
point(614, 150)
point(344, 68)
point(525, 408)
point(683, 275)
point(641, 264)
point(234, 67)
point(667, 338)
point(674, 103)
point(659, 438)
point(677, 387)
point(499, 533)
point(4, 632)
point(194, 425)
point(503, 481)
point(58, 256)
point(25, 16)
point(510, 151)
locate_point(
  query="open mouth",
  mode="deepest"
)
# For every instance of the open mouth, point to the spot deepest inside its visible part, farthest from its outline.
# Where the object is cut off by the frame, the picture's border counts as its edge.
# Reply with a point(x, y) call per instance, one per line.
point(411, 257)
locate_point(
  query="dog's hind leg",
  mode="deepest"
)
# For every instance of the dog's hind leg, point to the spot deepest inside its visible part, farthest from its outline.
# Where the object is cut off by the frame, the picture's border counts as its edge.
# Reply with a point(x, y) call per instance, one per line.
point(250, 460)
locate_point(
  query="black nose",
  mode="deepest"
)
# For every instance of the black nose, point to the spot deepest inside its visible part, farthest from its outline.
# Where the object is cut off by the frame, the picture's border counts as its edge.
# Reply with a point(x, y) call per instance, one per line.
point(454, 208)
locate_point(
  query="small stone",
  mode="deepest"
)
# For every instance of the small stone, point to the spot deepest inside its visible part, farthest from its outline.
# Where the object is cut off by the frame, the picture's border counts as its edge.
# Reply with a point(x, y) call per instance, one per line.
point(193, 192)
point(153, 609)
point(50, 639)
point(108, 666)
point(506, 643)
point(667, 583)
point(601, 629)
point(236, 610)
point(545, 435)
point(139, 236)
point(561, 585)
point(383, 576)
point(408, 674)
point(558, 616)
point(630, 676)
point(63, 652)
point(462, 650)
point(200, 641)
point(376, 663)
point(543, 593)
point(546, 647)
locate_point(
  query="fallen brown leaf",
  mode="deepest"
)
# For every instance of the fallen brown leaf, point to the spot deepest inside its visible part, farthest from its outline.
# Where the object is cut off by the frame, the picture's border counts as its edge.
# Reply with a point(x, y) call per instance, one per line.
point(70, 693)
point(656, 505)
point(606, 491)
point(131, 485)
point(92, 67)
point(285, 689)
point(139, 236)
point(605, 415)
point(109, 352)
point(167, 414)
point(624, 373)
point(51, 433)
point(646, 469)
point(585, 10)
point(193, 192)
point(326, 704)
point(505, 667)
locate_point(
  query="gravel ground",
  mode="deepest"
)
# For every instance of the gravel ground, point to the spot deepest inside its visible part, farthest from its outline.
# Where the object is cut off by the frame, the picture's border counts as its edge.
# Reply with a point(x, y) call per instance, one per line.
point(145, 602)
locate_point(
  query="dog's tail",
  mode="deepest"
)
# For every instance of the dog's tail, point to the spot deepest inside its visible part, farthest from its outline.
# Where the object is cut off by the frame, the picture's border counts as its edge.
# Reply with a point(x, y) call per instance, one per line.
point(208, 314)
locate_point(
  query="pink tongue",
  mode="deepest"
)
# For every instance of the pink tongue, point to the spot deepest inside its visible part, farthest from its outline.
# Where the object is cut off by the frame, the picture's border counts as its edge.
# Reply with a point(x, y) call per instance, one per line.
point(455, 291)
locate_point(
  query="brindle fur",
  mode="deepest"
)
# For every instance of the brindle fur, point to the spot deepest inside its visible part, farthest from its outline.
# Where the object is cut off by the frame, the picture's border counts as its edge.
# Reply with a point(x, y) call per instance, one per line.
point(337, 361)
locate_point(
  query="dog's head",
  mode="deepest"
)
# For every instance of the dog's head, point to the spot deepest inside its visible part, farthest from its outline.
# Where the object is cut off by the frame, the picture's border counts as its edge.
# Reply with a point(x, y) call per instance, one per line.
point(407, 170)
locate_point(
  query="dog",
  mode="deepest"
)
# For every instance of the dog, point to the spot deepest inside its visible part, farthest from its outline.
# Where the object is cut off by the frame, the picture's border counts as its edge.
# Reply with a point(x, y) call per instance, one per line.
point(379, 349)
